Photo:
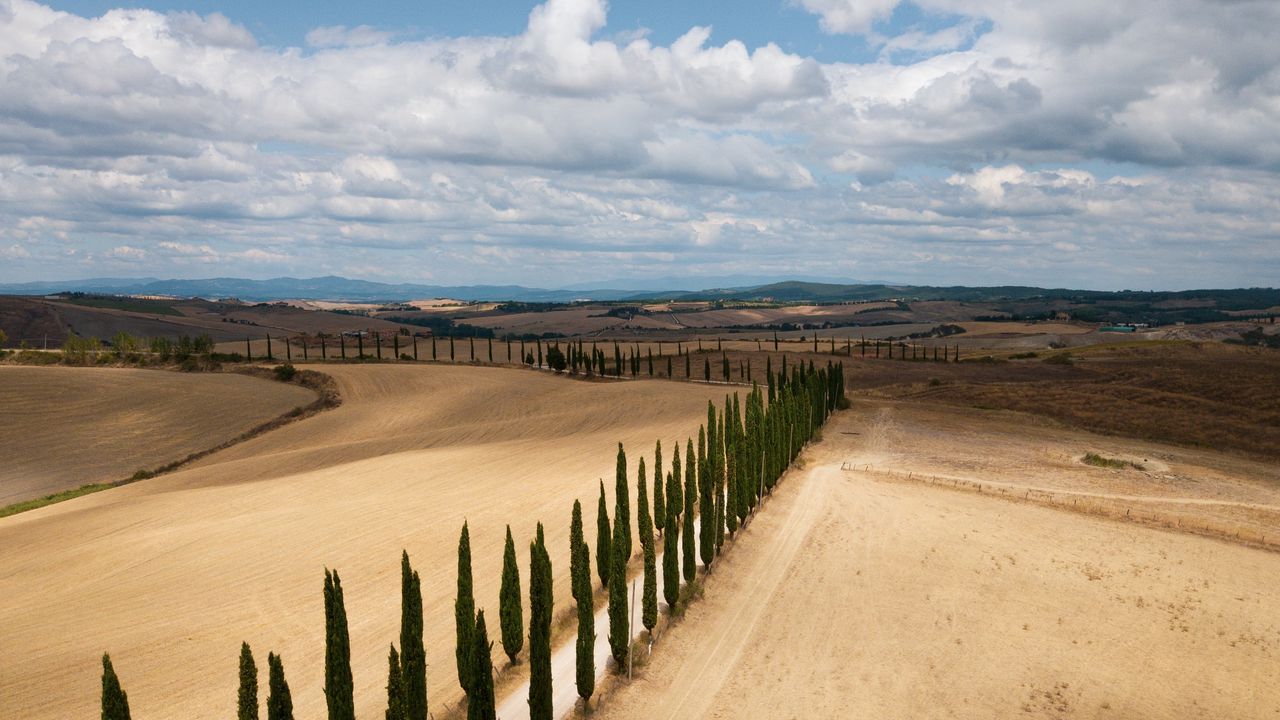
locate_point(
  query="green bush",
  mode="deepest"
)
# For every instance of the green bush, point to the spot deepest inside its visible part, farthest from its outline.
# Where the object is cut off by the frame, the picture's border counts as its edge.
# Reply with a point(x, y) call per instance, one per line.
point(285, 372)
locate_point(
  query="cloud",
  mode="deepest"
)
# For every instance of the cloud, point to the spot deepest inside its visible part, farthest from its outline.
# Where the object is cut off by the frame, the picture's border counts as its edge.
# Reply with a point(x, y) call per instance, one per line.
point(850, 16)
point(1094, 130)
point(333, 36)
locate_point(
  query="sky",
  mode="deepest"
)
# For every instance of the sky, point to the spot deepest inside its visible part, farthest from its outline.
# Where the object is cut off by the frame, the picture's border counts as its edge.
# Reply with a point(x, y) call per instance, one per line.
point(1093, 144)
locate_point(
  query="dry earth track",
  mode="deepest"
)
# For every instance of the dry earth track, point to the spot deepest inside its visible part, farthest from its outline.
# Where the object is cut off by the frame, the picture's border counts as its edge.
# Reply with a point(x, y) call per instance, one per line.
point(853, 597)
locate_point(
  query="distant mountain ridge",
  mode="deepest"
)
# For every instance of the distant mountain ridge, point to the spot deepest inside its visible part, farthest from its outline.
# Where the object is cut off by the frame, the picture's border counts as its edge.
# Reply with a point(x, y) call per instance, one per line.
point(352, 290)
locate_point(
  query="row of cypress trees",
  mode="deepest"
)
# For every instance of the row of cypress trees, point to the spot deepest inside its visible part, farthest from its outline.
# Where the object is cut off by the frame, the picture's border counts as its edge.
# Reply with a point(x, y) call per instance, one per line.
point(742, 451)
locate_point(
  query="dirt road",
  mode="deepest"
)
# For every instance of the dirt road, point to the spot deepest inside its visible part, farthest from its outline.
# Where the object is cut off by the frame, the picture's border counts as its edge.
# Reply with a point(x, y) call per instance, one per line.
point(854, 597)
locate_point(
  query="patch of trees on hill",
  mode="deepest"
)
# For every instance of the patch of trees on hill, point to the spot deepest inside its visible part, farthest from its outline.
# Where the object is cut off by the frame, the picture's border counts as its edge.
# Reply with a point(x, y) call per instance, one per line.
point(443, 326)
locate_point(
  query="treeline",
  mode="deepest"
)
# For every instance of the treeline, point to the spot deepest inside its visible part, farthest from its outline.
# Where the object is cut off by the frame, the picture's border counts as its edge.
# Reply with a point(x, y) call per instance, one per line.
point(123, 347)
point(442, 326)
point(742, 452)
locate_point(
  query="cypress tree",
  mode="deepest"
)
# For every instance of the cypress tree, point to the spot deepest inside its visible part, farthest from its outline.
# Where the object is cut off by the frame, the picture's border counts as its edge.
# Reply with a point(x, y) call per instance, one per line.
point(395, 687)
point(510, 614)
point(413, 656)
point(649, 600)
point(690, 498)
point(670, 563)
point(585, 648)
point(644, 520)
point(718, 478)
point(659, 493)
point(706, 503)
point(540, 606)
point(247, 697)
point(688, 373)
point(279, 700)
point(675, 488)
point(622, 500)
point(480, 705)
point(339, 692)
point(706, 369)
point(577, 537)
point(452, 351)
point(603, 532)
point(668, 366)
point(115, 701)
point(464, 612)
point(619, 630)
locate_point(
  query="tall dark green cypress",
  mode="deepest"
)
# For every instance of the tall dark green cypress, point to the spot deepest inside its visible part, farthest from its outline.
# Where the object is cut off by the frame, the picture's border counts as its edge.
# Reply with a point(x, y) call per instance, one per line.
point(510, 614)
point(643, 517)
point(585, 647)
point(540, 607)
point(115, 701)
point(619, 628)
point(413, 656)
point(689, 562)
point(480, 705)
point(279, 699)
point(718, 479)
point(649, 600)
point(706, 504)
point(464, 611)
point(247, 697)
point(622, 503)
point(339, 691)
point(604, 534)
point(706, 369)
point(670, 561)
point(659, 492)
point(395, 686)
point(675, 490)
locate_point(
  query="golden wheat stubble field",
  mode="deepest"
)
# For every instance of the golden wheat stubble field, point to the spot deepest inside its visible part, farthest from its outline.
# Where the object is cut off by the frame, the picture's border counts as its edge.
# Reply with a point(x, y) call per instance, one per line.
point(169, 575)
point(68, 427)
point(854, 595)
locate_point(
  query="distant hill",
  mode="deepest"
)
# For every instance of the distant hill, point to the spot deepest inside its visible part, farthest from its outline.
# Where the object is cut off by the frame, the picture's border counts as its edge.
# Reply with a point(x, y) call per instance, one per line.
point(321, 288)
point(346, 289)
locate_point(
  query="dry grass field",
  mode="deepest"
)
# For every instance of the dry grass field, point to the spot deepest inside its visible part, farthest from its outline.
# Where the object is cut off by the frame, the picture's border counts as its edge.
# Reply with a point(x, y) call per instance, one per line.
point(853, 596)
point(169, 575)
point(68, 427)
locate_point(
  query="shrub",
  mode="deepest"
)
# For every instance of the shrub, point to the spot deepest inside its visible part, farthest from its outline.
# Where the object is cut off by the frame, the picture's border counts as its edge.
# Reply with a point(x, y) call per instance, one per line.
point(1096, 460)
point(285, 372)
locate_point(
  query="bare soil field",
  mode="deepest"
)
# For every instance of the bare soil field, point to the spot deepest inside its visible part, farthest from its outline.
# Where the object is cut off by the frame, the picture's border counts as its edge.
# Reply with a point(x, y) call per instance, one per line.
point(1024, 328)
point(853, 596)
point(169, 575)
point(68, 427)
point(30, 321)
